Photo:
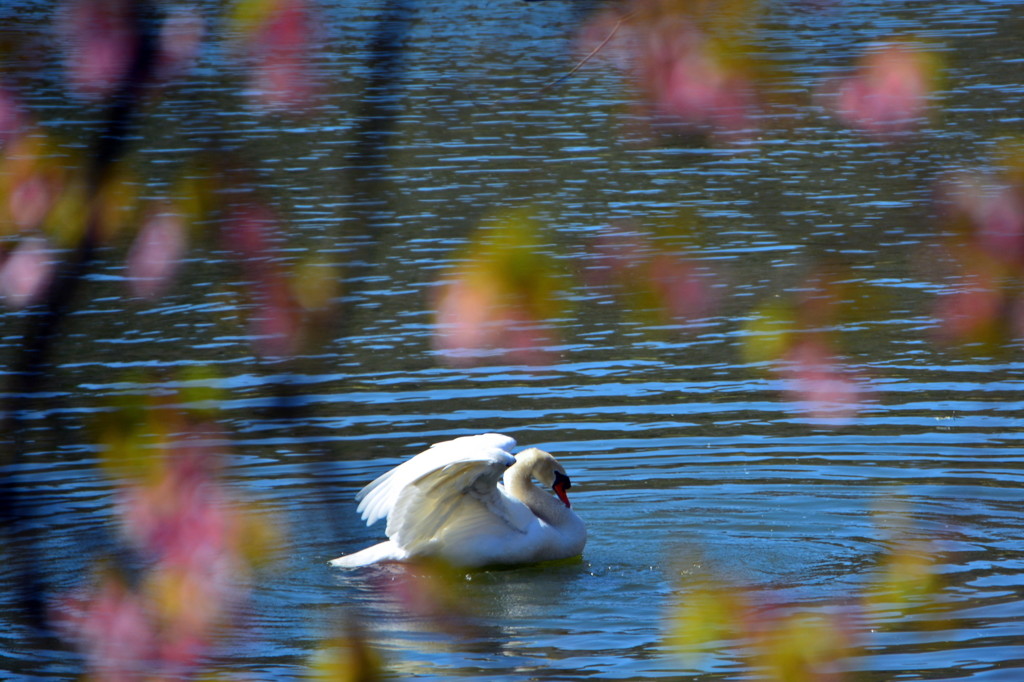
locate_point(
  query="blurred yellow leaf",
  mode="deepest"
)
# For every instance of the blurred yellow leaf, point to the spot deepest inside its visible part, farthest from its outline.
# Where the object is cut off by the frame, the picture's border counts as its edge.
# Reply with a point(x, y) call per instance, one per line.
point(504, 294)
point(1010, 158)
point(261, 535)
point(803, 647)
point(118, 201)
point(907, 579)
point(512, 250)
point(767, 333)
point(347, 657)
point(907, 576)
point(70, 213)
point(194, 195)
point(706, 617)
point(130, 436)
point(315, 283)
point(247, 16)
point(200, 389)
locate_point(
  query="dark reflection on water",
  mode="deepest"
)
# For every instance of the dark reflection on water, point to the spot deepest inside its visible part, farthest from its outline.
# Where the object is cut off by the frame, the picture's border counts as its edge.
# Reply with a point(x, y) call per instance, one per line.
point(684, 458)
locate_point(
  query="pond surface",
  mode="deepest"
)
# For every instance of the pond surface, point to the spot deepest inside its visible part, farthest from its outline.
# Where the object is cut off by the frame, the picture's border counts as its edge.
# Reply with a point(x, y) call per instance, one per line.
point(687, 458)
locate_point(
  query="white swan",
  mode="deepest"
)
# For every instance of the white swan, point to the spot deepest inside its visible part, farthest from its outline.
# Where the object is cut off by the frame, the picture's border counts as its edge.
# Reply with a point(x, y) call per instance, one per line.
point(446, 502)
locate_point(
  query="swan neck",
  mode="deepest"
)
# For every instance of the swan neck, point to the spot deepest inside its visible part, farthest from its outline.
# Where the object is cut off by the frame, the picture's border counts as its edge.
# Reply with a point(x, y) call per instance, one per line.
point(519, 483)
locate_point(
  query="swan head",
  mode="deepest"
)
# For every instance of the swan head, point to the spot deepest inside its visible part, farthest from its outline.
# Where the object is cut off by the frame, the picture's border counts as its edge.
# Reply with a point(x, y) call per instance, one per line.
point(548, 472)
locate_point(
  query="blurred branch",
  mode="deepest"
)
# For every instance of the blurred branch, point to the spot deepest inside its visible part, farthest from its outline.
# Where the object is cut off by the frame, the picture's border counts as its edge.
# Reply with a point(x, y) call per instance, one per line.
point(30, 365)
point(375, 118)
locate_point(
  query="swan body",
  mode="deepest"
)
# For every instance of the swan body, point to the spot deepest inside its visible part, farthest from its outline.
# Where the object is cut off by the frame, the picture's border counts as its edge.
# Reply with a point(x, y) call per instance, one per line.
point(447, 503)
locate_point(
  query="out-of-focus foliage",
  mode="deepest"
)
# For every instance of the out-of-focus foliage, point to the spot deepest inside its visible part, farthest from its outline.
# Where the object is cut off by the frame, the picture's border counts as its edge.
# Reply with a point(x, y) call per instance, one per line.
point(795, 338)
point(757, 634)
point(195, 546)
point(346, 657)
point(889, 92)
point(25, 271)
point(653, 272)
point(506, 295)
point(691, 63)
point(906, 582)
point(770, 639)
point(101, 44)
point(503, 296)
point(278, 38)
point(153, 609)
point(278, 314)
point(710, 618)
point(157, 252)
point(696, 68)
point(984, 213)
point(41, 201)
point(695, 73)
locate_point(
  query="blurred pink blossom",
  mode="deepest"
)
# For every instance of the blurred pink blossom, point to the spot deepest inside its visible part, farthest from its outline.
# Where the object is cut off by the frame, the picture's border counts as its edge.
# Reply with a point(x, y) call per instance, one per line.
point(999, 223)
point(113, 629)
point(817, 380)
point(25, 272)
point(276, 324)
point(466, 319)
point(185, 523)
point(427, 591)
point(282, 77)
point(12, 116)
point(616, 252)
point(180, 37)
point(691, 86)
point(182, 518)
point(992, 211)
point(690, 79)
point(182, 523)
point(986, 213)
point(682, 289)
point(281, 83)
point(501, 299)
point(100, 44)
point(970, 311)
point(247, 233)
point(889, 92)
point(476, 318)
point(679, 289)
point(30, 199)
point(156, 254)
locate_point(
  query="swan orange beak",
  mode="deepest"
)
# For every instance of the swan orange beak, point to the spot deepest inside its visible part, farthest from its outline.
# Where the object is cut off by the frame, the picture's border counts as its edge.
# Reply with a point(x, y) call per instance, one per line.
point(562, 483)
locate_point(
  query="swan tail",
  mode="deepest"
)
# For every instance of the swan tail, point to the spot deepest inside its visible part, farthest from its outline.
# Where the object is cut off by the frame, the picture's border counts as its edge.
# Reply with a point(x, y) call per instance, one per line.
point(384, 551)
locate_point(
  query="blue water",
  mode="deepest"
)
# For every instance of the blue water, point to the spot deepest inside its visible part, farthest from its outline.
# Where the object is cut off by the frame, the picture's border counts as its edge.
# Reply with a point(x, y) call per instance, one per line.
point(688, 461)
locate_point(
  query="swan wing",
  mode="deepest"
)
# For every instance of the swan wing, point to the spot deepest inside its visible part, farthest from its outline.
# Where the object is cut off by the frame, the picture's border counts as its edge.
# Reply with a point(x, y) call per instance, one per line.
point(481, 528)
point(459, 500)
point(445, 470)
